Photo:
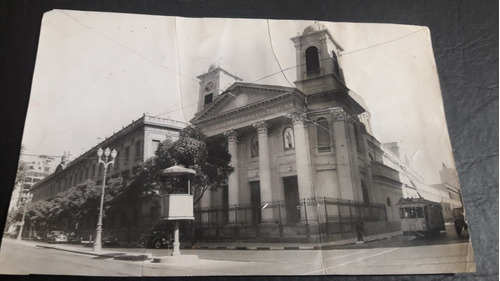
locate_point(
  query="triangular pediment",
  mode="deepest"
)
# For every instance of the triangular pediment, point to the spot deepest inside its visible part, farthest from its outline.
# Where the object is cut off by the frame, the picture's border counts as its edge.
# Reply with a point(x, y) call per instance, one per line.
point(240, 96)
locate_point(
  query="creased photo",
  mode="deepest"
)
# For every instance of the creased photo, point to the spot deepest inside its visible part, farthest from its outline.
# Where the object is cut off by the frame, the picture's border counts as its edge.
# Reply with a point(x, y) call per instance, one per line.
point(169, 146)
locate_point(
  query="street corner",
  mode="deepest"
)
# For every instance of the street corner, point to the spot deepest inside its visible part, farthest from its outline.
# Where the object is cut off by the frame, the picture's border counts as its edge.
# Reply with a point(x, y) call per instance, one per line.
point(177, 260)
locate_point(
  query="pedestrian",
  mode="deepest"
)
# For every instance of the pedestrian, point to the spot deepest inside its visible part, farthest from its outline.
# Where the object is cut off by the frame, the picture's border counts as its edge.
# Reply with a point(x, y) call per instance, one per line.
point(459, 224)
point(466, 228)
point(359, 229)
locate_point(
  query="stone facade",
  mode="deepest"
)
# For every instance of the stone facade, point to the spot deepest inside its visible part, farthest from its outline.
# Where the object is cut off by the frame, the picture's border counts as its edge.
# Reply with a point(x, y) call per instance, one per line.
point(134, 143)
point(305, 162)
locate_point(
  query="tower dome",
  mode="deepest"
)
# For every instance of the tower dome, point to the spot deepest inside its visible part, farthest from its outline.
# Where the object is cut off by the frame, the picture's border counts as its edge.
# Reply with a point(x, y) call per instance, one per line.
point(313, 28)
point(212, 67)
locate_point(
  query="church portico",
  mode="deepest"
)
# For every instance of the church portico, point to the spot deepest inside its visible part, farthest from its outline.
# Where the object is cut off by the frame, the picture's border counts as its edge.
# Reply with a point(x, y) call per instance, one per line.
point(302, 156)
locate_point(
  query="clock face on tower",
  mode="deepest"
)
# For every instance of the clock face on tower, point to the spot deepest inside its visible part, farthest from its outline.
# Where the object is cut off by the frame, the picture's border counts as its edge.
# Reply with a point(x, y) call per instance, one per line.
point(209, 86)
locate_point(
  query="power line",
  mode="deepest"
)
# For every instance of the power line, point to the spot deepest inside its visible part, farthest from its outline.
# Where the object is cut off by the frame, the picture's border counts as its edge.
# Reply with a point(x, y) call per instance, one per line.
point(281, 71)
point(127, 48)
point(274, 53)
point(380, 44)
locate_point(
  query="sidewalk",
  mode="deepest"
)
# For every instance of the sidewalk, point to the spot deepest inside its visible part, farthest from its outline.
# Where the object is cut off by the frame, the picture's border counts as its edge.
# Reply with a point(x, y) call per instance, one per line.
point(286, 246)
point(140, 254)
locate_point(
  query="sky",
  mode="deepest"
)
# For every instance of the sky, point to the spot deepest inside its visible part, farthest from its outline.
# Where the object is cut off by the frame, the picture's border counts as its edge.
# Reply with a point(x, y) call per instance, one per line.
point(97, 72)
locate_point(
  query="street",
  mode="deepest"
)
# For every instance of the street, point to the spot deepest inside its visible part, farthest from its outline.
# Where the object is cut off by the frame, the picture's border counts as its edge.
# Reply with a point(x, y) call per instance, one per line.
point(398, 255)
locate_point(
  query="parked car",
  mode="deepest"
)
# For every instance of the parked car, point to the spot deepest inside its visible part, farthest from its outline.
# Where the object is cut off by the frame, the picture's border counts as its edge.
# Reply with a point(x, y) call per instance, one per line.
point(57, 237)
point(160, 236)
point(11, 234)
point(108, 239)
point(74, 238)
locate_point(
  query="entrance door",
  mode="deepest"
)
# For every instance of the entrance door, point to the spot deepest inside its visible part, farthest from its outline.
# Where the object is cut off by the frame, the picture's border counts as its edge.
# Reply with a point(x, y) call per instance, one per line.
point(292, 202)
point(255, 201)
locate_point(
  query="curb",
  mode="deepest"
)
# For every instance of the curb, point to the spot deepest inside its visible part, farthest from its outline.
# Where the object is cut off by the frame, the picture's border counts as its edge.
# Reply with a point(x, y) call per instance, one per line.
point(253, 248)
point(109, 255)
point(142, 257)
point(71, 251)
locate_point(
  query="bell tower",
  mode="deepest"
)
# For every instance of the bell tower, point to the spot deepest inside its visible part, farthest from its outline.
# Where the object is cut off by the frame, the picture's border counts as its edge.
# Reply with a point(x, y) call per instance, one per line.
point(213, 83)
point(318, 68)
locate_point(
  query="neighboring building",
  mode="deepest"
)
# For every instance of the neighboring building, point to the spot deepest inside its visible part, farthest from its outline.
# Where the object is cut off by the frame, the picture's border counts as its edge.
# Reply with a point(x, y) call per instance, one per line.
point(135, 143)
point(305, 161)
point(446, 193)
point(450, 191)
point(37, 168)
point(449, 179)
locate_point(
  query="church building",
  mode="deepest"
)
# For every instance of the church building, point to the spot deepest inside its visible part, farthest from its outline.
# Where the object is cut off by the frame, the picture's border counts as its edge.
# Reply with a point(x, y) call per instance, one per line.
point(306, 166)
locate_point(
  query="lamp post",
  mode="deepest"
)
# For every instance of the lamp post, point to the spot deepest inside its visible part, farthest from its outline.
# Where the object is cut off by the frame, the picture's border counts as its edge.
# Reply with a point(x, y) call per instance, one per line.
point(105, 163)
point(26, 201)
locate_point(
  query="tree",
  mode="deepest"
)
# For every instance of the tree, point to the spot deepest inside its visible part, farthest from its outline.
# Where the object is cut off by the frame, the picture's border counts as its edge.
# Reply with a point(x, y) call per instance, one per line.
point(73, 202)
point(193, 150)
point(21, 169)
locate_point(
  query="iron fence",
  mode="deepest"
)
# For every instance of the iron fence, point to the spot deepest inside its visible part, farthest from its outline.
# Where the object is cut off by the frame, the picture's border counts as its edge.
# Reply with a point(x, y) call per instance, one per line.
point(325, 216)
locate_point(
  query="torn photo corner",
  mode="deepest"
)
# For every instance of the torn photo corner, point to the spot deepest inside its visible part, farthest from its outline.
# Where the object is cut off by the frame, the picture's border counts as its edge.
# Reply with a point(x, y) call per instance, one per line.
point(170, 146)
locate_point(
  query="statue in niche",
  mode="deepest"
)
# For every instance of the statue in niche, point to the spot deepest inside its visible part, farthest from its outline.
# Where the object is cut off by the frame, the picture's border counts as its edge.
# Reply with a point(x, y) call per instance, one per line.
point(254, 143)
point(288, 138)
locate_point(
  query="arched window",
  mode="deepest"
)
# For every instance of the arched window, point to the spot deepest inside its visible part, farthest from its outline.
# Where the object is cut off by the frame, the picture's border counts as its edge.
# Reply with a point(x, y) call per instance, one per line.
point(388, 201)
point(364, 189)
point(288, 139)
point(312, 61)
point(323, 134)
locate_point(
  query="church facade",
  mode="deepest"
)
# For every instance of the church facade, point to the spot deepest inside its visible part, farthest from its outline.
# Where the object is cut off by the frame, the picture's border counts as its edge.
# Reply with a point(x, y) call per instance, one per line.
point(306, 164)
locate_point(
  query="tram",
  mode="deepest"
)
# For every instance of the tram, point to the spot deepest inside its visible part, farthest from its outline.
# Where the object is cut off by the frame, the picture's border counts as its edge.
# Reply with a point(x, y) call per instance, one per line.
point(421, 217)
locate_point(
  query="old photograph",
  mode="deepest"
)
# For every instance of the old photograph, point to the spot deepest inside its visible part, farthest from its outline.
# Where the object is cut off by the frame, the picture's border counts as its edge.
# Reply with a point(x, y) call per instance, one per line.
point(170, 146)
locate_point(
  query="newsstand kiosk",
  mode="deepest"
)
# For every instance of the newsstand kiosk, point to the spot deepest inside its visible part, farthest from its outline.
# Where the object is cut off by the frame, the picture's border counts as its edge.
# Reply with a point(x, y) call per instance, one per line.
point(179, 205)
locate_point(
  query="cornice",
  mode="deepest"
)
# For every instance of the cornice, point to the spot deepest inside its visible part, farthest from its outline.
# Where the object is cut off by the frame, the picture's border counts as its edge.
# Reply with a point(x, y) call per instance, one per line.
point(258, 104)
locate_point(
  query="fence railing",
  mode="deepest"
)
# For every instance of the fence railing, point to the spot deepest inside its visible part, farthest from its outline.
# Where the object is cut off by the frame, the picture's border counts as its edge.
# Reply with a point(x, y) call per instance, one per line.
point(327, 215)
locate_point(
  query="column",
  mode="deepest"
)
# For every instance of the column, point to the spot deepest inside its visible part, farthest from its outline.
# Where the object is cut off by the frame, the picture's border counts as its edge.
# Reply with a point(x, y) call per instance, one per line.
point(302, 158)
point(264, 170)
point(342, 153)
point(205, 204)
point(232, 181)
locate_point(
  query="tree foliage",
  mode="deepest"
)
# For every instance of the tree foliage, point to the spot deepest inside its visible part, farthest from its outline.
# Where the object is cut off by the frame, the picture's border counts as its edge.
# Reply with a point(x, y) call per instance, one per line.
point(21, 169)
point(210, 160)
point(74, 202)
point(193, 150)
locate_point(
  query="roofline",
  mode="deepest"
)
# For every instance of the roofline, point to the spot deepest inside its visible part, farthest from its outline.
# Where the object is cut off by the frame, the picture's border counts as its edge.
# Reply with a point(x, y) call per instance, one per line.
point(146, 120)
point(261, 86)
point(219, 68)
point(247, 85)
point(316, 32)
point(255, 104)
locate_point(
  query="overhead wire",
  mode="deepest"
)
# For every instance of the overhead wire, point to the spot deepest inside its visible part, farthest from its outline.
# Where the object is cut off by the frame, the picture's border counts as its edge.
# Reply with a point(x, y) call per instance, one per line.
point(126, 47)
point(281, 69)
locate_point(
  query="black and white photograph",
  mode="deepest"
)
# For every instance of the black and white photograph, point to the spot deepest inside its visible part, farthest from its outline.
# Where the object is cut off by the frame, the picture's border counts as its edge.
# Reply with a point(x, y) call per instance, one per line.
point(175, 146)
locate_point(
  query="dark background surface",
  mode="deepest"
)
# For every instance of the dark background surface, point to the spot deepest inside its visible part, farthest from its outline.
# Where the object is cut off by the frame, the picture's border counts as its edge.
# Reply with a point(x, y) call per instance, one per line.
point(465, 41)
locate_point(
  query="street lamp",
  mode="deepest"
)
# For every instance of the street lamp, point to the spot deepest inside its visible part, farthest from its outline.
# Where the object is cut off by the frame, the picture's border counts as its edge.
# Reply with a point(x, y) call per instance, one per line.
point(105, 163)
point(26, 201)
